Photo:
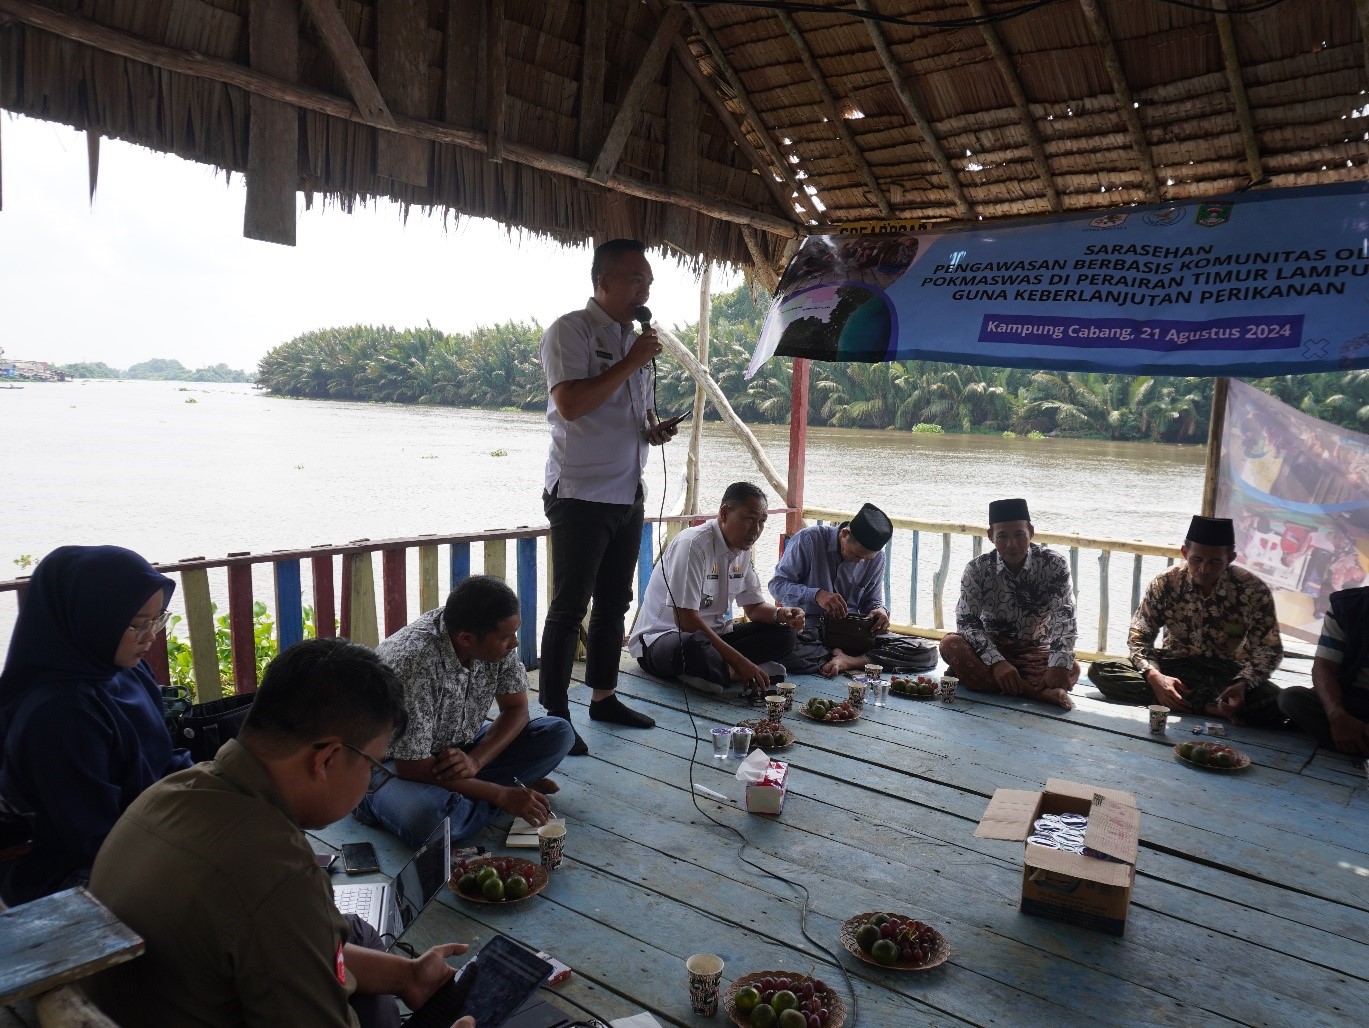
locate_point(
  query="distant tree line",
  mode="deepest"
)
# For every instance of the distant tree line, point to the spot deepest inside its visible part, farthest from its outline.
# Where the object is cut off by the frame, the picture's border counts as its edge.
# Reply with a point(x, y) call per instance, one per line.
point(159, 369)
point(498, 367)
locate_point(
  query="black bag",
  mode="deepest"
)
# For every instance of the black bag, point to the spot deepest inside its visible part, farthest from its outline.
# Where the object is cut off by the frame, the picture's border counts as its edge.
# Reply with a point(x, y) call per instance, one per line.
point(853, 634)
point(203, 727)
point(899, 653)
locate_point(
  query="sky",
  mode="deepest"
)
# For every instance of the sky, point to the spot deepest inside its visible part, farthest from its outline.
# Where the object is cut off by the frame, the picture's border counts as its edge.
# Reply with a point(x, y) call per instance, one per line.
point(157, 265)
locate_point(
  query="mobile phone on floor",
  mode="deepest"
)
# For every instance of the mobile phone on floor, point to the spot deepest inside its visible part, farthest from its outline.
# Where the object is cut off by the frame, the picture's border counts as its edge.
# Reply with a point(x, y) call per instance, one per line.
point(326, 860)
point(490, 987)
point(359, 858)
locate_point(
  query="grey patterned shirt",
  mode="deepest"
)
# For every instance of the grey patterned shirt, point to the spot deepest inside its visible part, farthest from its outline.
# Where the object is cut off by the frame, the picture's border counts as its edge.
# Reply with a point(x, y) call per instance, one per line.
point(1032, 605)
point(446, 703)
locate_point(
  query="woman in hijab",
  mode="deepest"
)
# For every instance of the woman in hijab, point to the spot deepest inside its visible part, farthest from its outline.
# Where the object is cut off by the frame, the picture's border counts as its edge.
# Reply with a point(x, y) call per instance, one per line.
point(80, 713)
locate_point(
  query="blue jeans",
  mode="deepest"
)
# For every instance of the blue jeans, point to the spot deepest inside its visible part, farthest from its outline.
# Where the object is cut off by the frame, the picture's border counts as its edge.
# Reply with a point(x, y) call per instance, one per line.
point(411, 810)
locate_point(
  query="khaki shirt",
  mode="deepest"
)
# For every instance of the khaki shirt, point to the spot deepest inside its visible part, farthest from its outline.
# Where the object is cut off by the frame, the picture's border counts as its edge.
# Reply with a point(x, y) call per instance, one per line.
point(211, 869)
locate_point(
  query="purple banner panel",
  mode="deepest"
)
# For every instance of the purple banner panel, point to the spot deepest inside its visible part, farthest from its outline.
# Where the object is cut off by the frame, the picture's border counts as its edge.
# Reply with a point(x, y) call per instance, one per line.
point(1268, 332)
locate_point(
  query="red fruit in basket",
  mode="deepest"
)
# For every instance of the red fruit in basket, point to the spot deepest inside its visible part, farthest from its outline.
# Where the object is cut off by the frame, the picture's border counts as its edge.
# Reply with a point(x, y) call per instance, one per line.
point(781, 984)
point(813, 1021)
point(767, 995)
point(823, 1015)
point(767, 985)
point(806, 990)
point(819, 985)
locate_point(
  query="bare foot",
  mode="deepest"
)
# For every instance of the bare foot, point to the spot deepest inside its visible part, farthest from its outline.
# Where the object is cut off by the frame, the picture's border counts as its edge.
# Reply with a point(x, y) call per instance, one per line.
point(1060, 696)
point(546, 786)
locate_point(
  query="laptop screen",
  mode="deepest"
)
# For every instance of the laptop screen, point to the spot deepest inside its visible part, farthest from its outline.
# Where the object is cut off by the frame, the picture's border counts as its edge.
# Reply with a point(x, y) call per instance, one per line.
point(424, 876)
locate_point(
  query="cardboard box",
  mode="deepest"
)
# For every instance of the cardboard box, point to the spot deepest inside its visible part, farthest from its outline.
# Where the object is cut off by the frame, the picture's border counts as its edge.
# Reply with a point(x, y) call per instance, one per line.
point(767, 795)
point(1072, 887)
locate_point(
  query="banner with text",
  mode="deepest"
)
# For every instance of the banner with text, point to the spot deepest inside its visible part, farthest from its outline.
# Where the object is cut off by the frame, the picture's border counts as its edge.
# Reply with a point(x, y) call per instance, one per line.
point(1261, 283)
point(1298, 491)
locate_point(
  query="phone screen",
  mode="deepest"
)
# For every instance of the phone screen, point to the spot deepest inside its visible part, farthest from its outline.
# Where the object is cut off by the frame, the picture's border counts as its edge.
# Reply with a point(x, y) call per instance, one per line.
point(490, 987)
point(359, 858)
point(326, 860)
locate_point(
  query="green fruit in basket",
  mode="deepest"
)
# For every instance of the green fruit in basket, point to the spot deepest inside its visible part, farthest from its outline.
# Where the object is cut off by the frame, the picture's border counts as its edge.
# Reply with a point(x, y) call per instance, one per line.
point(747, 999)
point(1186, 750)
point(485, 874)
point(516, 887)
point(793, 1019)
point(1201, 755)
point(866, 937)
point(763, 1016)
point(468, 885)
point(493, 889)
point(879, 919)
point(765, 741)
point(885, 952)
point(784, 1000)
point(1223, 760)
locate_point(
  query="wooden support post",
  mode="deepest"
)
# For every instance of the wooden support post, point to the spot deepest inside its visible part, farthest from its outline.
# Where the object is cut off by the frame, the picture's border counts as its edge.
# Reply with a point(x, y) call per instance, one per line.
point(497, 71)
point(1240, 100)
point(394, 572)
point(1104, 560)
point(978, 545)
point(464, 65)
point(402, 67)
point(241, 627)
point(342, 48)
point(92, 161)
point(429, 591)
point(1215, 426)
point(912, 591)
point(646, 556)
point(199, 623)
point(1074, 572)
point(289, 604)
point(527, 601)
point(592, 71)
point(1136, 583)
point(158, 661)
point(798, 443)
point(345, 605)
point(362, 627)
point(630, 108)
point(696, 426)
point(273, 125)
point(325, 610)
point(497, 559)
point(889, 574)
point(939, 581)
point(458, 564)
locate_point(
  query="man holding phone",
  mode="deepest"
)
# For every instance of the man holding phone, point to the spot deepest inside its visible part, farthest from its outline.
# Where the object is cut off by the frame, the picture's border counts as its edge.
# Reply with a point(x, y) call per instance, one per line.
point(212, 868)
point(601, 408)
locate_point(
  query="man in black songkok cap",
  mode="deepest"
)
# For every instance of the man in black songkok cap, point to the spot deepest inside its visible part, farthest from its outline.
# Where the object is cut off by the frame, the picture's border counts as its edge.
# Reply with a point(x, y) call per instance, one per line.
point(1015, 626)
point(1221, 637)
point(834, 571)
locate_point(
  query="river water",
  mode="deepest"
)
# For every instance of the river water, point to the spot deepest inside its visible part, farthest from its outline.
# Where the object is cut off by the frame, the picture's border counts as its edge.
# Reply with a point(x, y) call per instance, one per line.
point(174, 470)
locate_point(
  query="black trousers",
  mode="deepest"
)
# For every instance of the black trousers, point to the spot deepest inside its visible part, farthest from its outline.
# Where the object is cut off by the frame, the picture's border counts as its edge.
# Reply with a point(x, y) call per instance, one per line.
point(1304, 707)
point(372, 1011)
point(594, 553)
point(675, 653)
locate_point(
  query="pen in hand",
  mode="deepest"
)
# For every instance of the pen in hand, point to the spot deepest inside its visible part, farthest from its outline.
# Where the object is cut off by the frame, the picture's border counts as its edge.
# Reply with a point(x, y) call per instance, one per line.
point(551, 814)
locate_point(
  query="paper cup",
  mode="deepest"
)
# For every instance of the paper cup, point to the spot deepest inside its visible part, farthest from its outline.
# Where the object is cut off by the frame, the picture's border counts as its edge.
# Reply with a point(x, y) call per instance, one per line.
point(787, 690)
point(774, 706)
point(855, 694)
point(551, 840)
point(873, 671)
point(1159, 717)
point(705, 979)
point(946, 690)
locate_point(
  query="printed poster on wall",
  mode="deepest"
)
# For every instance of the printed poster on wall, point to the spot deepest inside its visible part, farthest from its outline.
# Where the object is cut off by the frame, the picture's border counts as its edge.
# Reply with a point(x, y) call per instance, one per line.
point(1266, 282)
point(1298, 491)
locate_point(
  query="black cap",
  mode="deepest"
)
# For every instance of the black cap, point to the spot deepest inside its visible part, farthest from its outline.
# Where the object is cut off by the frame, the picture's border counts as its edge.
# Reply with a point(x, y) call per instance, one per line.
point(1211, 531)
point(871, 528)
point(1008, 510)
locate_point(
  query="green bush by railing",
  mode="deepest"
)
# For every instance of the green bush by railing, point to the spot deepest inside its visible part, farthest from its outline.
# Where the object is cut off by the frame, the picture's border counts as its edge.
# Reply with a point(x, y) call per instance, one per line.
point(264, 644)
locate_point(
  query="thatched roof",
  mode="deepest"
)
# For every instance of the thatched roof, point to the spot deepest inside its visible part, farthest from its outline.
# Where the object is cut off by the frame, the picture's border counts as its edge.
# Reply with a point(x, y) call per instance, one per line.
point(708, 127)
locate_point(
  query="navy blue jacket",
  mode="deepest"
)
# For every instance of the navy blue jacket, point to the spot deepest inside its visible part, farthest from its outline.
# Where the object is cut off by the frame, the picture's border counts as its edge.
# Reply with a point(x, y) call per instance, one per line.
point(82, 737)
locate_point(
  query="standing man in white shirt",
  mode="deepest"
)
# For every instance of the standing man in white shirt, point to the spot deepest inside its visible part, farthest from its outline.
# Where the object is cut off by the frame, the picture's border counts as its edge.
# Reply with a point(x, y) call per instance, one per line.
point(685, 629)
point(600, 406)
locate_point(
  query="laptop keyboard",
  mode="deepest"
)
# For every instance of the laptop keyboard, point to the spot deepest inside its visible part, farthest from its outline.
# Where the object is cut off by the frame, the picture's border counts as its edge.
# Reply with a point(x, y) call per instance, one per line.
point(362, 900)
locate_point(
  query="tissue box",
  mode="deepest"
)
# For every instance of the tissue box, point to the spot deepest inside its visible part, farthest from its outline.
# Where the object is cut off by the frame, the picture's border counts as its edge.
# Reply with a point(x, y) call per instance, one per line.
point(767, 795)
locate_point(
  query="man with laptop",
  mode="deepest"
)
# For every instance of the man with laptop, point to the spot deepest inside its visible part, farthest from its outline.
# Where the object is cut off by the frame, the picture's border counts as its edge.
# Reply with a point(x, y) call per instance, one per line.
point(211, 866)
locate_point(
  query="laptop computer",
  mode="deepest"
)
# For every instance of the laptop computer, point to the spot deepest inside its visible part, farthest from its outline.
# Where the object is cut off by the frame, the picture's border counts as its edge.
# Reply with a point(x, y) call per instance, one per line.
point(391, 907)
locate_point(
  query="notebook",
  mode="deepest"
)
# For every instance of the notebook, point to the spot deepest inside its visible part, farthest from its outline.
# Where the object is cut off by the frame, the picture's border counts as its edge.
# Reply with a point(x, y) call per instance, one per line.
point(523, 834)
point(391, 907)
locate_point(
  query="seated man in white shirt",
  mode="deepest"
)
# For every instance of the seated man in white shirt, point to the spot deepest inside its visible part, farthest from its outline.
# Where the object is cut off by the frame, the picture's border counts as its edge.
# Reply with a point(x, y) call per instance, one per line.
point(685, 628)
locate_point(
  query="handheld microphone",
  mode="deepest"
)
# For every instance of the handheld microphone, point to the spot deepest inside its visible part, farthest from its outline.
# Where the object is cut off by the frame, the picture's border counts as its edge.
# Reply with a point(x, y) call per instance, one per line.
point(643, 314)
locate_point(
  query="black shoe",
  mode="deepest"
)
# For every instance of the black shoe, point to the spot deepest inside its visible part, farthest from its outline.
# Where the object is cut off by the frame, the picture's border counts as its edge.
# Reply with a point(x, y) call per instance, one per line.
point(579, 749)
point(612, 710)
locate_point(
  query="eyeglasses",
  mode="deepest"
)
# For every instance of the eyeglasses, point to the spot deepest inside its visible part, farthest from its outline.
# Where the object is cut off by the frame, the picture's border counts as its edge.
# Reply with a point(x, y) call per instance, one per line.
point(380, 774)
point(150, 628)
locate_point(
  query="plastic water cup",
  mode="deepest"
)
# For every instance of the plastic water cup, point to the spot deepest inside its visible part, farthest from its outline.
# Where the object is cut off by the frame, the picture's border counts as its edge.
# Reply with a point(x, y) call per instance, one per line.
point(741, 742)
point(1159, 717)
point(722, 742)
point(705, 979)
point(551, 841)
point(946, 691)
point(881, 693)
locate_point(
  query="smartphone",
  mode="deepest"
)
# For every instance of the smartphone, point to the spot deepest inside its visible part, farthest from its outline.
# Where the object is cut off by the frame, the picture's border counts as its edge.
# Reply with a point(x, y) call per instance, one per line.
point(326, 860)
point(492, 985)
point(359, 858)
point(672, 422)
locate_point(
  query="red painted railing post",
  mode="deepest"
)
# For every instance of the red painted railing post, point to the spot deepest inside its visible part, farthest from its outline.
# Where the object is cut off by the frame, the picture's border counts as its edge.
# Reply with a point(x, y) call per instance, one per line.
point(394, 587)
point(798, 444)
point(157, 660)
point(325, 607)
point(241, 627)
point(344, 621)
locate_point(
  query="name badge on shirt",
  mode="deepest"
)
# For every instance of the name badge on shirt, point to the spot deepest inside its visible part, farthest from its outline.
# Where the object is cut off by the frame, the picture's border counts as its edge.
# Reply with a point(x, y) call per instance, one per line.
point(707, 601)
point(604, 354)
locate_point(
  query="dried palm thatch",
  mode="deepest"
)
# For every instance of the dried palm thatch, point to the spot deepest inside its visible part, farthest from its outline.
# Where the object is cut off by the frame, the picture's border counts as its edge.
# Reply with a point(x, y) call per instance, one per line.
point(720, 129)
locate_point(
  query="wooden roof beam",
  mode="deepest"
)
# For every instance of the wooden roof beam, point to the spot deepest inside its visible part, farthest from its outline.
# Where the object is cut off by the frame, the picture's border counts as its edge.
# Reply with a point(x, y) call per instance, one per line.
point(497, 70)
point(920, 119)
point(686, 58)
point(1232, 61)
point(350, 64)
point(230, 73)
point(759, 260)
point(1019, 99)
point(648, 73)
point(780, 162)
point(834, 114)
point(1362, 6)
point(593, 70)
point(1098, 24)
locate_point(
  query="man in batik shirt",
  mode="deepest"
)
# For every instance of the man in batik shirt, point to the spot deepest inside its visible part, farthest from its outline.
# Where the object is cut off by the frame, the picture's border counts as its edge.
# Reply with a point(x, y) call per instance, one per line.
point(1221, 637)
point(1015, 616)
